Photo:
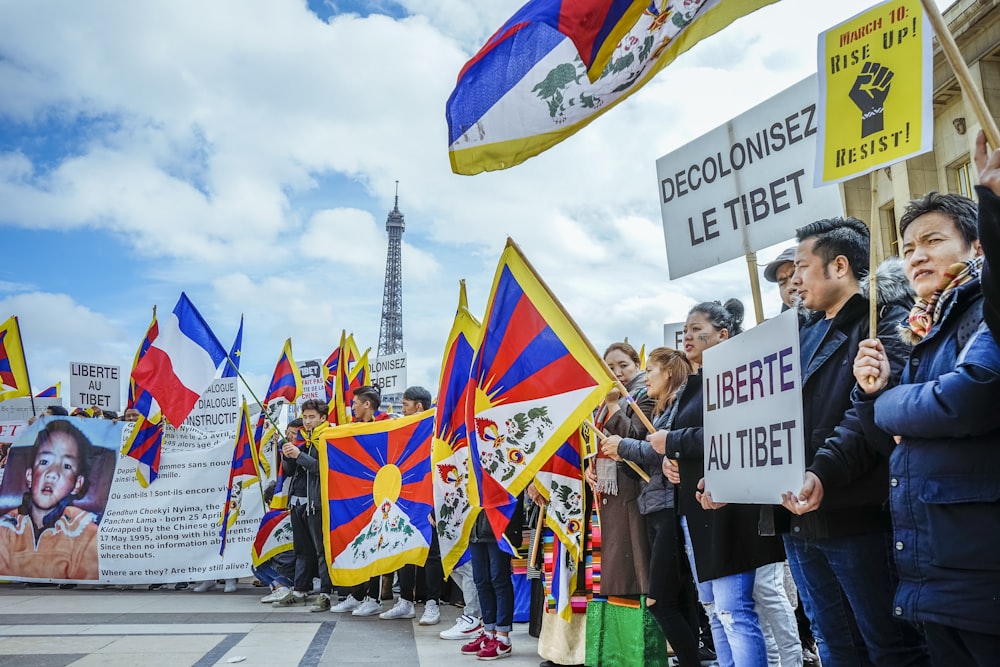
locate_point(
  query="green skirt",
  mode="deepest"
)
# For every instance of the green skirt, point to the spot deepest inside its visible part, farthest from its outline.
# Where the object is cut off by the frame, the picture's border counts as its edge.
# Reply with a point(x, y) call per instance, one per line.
point(622, 636)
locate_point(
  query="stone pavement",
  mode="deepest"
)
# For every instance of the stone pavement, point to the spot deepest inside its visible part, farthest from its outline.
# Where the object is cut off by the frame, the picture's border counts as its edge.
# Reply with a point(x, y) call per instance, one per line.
point(48, 627)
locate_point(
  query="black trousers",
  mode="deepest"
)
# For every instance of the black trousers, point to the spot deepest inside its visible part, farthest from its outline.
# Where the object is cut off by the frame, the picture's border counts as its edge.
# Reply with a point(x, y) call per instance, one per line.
point(953, 647)
point(310, 555)
point(666, 586)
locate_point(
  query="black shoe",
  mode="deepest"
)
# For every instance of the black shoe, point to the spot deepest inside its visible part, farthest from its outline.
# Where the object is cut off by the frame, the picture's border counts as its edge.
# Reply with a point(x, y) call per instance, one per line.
point(66, 587)
point(705, 654)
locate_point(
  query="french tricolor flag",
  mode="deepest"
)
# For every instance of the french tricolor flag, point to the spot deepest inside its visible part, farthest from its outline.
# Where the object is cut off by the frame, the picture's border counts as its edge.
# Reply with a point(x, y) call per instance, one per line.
point(180, 362)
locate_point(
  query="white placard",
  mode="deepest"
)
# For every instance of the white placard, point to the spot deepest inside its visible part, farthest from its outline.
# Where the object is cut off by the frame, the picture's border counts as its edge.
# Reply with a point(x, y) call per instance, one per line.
point(745, 185)
point(673, 335)
point(20, 409)
point(754, 447)
point(217, 409)
point(312, 380)
point(389, 374)
point(95, 384)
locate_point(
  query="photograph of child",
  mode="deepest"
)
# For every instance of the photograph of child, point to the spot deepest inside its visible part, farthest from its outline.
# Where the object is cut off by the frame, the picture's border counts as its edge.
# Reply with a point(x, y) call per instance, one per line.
point(52, 533)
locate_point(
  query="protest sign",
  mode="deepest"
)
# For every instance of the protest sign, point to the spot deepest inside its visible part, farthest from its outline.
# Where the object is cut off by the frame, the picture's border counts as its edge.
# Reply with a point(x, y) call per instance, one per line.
point(95, 384)
point(745, 185)
point(753, 414)
point(312, 380)
point(118, 532)
point(20, 409)
point(875, 84)
point(389, 375)
point(673, 335)
point(217, 409)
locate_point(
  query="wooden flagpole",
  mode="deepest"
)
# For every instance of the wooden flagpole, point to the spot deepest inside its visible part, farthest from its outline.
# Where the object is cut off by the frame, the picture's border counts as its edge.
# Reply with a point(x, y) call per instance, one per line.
point(957, 62)
point(631, 464)
point(758, 305)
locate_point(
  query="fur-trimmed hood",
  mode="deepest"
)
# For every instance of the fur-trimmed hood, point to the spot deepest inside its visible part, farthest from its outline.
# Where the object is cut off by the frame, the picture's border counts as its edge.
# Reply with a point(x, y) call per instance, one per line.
point(891, 285)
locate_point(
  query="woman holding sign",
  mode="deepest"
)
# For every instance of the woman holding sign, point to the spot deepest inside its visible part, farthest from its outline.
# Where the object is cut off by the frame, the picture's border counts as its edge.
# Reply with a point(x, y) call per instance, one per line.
point(723, 545)
point(666, 372)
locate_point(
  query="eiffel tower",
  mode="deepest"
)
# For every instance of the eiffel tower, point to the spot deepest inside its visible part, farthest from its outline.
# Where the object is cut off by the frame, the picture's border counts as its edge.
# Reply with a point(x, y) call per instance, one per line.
point(390, 337)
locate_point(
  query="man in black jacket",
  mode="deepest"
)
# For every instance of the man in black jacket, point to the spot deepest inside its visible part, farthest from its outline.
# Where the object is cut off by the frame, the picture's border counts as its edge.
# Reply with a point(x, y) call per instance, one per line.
point(839, 553)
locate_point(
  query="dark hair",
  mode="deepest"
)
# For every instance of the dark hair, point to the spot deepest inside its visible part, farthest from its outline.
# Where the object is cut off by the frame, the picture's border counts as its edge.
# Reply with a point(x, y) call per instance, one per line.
point(109, 414)
point(418, 395)
point(370, 394)
point(839, 236)
point(83, 447)
point(315, 404)
point(624, 348)
point(961, 210)
point(57, 411)
point(728, 315)
point(676, 365)
point(296, 423)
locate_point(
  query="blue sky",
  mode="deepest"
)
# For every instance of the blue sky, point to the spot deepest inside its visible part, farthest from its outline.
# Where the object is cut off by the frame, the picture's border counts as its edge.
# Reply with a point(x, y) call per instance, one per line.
point(247, 153)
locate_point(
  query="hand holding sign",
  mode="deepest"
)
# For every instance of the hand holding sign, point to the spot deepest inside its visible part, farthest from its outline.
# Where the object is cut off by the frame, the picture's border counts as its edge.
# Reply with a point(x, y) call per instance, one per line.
point(705, 497)
point(809, 499)
point(871, 366)
point(868, 93)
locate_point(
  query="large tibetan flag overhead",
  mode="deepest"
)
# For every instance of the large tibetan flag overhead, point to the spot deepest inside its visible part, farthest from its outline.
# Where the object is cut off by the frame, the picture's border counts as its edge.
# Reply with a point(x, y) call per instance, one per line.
point(286, 382)
point(536, 379)
point(456, 501)
point(13, 369)
point(528, 88)
point(377, 496)
point(180, 361)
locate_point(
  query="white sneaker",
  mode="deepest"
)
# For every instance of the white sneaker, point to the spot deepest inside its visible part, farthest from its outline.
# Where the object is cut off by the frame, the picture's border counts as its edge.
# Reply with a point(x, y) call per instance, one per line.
point(466, 627)
point(368, 607)
point(432, 614)
point(205, 586)
point(348, 604)
point(276, 594)
point(230, 586)
point(402, 609)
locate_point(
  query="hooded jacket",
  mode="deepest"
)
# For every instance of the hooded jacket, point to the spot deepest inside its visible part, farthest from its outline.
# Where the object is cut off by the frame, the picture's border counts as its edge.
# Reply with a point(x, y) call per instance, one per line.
point(856, 507)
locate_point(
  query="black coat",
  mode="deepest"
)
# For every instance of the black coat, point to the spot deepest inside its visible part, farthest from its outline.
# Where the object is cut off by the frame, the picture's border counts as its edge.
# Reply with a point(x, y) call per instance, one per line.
point(859, 506)
point(725, 541)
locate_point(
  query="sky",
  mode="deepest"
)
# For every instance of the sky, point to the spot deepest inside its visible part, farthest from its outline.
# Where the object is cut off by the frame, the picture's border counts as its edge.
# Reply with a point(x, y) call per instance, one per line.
point(247, 153)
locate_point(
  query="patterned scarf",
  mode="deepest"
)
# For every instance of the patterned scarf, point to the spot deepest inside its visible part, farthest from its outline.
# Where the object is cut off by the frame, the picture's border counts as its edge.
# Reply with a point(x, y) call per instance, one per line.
point(926, 312)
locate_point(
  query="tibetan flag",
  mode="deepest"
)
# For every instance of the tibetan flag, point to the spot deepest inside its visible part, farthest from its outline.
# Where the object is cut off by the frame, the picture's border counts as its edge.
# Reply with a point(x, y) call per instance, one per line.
point(144, 445)
point(560, 481)
point(536, 379)
point(560, 569)
point(13, 368)
point(273, 537)
point(642, 357)
point(180, 361)
point(286, 382)
point(358, 377)
point(261, 435)
point(51, 392)
point(377, 496)
point(348, 358)
point(232, 365)
point(243, 472)
point(456, 501)
point(528, 88)
point(138, 398)
point(330, 374)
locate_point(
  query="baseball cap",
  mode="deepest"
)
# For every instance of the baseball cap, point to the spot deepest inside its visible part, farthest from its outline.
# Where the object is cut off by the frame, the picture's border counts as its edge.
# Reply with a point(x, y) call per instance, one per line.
point(771, 270)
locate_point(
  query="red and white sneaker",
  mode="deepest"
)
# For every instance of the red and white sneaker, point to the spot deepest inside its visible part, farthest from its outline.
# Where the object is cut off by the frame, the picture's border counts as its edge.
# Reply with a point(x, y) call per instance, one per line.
point(476, 645)
point(494, 649)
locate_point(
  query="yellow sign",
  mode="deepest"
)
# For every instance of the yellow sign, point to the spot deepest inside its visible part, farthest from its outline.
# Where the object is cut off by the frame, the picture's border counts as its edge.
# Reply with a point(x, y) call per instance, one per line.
point(874, 91)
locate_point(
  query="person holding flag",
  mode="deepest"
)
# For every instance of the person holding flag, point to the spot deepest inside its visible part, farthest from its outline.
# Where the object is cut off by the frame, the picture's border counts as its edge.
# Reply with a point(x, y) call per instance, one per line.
point(300, 461)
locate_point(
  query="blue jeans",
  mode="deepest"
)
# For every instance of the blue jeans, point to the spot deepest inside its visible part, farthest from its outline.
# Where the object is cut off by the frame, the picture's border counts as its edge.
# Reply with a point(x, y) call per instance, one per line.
point(493, 576)
point(858, 565)
point(728, 601)
point(270, 576)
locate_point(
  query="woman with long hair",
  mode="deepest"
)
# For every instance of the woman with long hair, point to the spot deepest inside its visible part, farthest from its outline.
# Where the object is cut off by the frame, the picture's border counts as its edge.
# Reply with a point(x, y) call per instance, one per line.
point(723, 545)
point(666, 372)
